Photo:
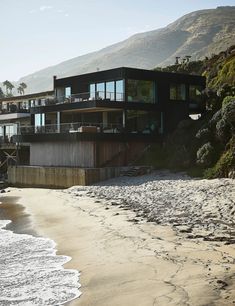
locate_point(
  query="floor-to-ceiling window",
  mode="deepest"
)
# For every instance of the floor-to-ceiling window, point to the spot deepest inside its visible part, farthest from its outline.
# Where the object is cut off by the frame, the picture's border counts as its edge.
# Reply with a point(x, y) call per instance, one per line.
point(142, 122)
point(100, 91)
point(92, 91)
point(111, 90)
point(140, 91)
point(67, 92)
point(119, 90)
point(39, 122)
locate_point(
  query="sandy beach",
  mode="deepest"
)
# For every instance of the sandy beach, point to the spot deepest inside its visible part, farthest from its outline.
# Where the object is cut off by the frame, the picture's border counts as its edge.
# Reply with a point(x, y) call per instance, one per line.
point(179, 251)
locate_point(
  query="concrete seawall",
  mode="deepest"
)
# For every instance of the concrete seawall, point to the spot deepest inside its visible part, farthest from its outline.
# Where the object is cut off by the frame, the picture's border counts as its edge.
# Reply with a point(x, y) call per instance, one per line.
point(58, 177)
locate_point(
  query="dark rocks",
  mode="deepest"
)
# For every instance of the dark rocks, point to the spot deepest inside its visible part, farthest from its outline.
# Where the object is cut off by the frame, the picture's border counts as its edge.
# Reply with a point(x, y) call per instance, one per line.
point(222, 284)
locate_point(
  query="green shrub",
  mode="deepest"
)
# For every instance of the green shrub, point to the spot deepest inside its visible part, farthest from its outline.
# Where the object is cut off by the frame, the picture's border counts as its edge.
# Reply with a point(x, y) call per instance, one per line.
point(216, 118)
point(228, 113)
point(227, 100)
point(222, 167)
point(205, 155)
point(223, 131)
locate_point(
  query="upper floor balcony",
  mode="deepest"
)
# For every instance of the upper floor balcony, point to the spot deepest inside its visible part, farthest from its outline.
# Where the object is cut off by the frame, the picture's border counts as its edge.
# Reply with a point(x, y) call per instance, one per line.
point(83, 97)
point(90, 131)
point(13, 111)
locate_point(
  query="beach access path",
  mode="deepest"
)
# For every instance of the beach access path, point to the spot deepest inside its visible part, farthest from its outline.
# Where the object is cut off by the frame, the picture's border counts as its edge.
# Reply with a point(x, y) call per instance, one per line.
point(125, 259)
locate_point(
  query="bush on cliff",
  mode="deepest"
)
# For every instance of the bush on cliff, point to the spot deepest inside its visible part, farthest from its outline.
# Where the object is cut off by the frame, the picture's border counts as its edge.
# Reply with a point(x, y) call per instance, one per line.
point(205, 155)
point(224, 165)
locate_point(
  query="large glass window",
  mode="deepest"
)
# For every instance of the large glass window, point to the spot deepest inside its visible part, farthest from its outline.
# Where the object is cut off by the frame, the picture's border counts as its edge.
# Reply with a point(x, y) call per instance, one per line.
point(113, 90)
point(110, 90)
point(120, 90)
point(177, 92)
point(142, 122)
point(11, 130)
point(60, 94)
point(100, 91)
point(1, 131)
point(92, 91)
point(195, 93)
point(140, 91)
point(39, 119)
point(67, 92)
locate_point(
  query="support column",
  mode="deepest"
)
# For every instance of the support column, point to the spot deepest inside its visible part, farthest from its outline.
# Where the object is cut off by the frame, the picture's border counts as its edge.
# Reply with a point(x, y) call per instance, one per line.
point(105, 119)
point(58, 122)
point(161, 124)
point(124, 119)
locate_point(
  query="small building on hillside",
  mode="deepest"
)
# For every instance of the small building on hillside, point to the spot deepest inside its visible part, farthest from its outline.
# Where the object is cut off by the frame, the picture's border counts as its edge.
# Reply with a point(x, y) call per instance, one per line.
point(14, 116)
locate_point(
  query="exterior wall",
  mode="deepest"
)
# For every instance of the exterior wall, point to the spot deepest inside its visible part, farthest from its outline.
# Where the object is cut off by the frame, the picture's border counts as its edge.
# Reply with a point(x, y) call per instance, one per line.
point(84, 153)
point(68, 154)
point(58, 177)
point(118, 153)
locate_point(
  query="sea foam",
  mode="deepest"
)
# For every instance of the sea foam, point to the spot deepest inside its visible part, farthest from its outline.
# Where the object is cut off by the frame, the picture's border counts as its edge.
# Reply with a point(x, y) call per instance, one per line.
point(31, 273)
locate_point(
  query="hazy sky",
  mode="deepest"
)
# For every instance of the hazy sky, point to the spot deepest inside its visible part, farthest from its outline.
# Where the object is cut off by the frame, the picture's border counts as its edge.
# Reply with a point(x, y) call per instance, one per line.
point(40, 33)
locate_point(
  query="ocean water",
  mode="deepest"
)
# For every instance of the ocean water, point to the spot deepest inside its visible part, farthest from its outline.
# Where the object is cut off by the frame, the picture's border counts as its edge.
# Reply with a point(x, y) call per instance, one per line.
point(31, 273)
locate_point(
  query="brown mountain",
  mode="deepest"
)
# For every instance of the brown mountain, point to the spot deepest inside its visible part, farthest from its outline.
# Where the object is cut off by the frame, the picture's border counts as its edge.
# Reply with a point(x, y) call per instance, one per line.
point(198, 34)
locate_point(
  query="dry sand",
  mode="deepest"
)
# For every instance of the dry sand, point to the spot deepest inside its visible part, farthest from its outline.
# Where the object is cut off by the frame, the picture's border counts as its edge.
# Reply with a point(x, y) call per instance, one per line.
point(125, 260)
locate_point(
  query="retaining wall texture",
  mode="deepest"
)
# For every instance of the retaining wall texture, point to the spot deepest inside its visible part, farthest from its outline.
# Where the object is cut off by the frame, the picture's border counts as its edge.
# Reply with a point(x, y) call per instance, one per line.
point(58, 177)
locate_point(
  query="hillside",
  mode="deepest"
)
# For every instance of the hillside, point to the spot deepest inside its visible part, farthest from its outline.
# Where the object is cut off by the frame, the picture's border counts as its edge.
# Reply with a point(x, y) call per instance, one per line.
point(198, 34)
point(205, 146)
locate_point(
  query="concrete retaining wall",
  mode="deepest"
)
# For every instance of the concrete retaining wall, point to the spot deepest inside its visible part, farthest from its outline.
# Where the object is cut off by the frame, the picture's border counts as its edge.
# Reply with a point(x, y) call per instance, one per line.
point(58, 177)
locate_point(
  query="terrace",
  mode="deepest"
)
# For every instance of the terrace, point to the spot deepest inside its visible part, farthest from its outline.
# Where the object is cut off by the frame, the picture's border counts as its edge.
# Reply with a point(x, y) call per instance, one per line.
point(73, 127)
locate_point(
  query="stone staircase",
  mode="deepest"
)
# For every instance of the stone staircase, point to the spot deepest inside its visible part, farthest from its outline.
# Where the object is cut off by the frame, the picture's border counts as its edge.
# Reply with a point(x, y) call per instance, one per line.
point(136, 171)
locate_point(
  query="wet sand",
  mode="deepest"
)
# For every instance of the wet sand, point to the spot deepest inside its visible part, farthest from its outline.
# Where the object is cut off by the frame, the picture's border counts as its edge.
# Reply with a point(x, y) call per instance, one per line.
point(124, 262)
point(10, 209)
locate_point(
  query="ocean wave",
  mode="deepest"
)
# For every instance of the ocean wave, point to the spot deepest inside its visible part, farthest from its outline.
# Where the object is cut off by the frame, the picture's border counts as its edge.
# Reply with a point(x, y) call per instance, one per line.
point(31, 273)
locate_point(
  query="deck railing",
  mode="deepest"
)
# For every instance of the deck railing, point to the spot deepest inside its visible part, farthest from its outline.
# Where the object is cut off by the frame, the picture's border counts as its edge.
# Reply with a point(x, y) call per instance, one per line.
point(84, 97)
point(74, 127)
point(13, 110)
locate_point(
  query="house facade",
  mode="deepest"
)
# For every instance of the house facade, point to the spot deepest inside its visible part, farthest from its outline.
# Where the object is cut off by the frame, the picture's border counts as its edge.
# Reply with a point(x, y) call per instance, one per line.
point(14, 117)
point(107, 118)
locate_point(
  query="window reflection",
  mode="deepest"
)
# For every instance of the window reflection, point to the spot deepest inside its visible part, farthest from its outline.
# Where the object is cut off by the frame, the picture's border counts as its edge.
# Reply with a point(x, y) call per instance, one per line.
point(142, 122)
point(140, 91)
point(67, 92)
point(120, 90)
point(177, 92)
point(39, 119)
point(195, 94)
point(110, 90)
point(92, 91)
point(100, 91)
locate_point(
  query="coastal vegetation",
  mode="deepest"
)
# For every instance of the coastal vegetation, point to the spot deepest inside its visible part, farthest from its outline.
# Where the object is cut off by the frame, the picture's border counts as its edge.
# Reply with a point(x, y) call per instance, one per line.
point(204, 147)
point(9, 89)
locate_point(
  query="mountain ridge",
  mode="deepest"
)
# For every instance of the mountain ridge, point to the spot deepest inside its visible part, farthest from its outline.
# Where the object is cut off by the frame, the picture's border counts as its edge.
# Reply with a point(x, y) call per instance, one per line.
point(197, 34)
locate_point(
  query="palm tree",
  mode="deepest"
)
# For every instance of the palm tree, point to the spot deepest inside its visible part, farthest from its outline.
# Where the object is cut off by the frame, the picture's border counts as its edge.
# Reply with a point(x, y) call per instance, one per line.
point(20, 90)
point(9, 86)
point(23, 87)
point(6, 84)
point(1, 93)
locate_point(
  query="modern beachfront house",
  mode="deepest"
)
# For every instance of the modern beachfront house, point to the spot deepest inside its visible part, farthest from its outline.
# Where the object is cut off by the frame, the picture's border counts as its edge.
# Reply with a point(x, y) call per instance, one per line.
point(107, 118)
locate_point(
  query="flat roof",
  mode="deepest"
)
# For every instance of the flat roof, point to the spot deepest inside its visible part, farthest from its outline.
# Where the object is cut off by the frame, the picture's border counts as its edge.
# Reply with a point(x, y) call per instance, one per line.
point(125, 72)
